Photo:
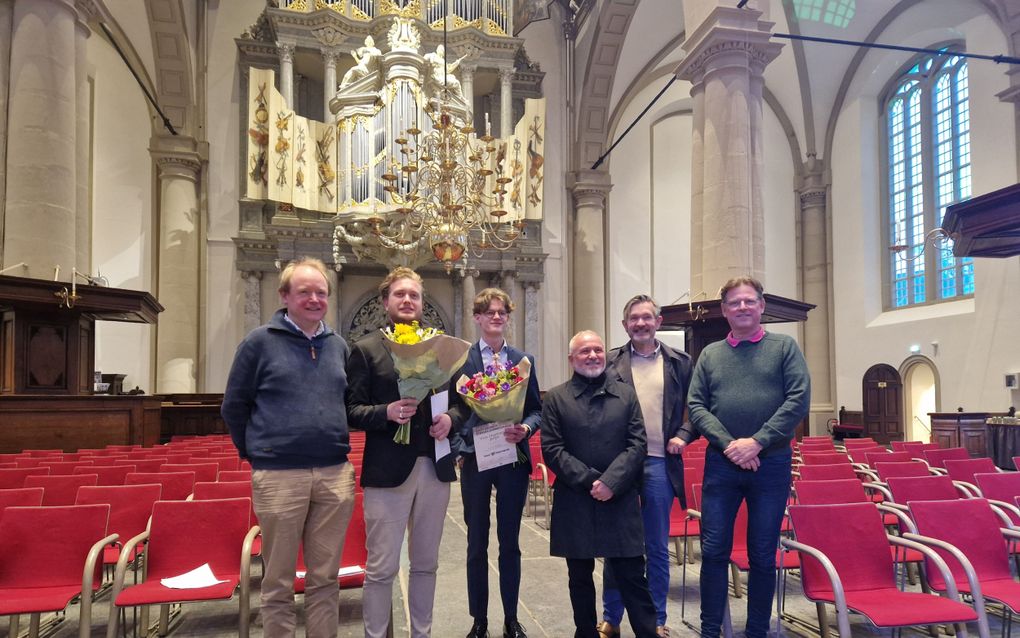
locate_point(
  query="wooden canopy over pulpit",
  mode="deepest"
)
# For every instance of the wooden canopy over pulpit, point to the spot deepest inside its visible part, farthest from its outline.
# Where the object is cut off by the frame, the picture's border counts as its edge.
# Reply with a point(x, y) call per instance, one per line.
point(47, 331)
point(986, 226)
point(703, 321)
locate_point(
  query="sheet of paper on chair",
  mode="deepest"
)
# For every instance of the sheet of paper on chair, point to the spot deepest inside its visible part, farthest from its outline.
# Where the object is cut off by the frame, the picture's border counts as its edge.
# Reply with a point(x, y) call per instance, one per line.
point(351, 571)
point(300, 574)
point(195, 579)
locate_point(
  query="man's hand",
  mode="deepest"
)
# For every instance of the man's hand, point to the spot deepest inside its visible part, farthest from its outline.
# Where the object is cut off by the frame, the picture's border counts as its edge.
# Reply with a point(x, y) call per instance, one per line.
point(515, 433)
point(440, 426)
point(600, 491)
point(741, 451)
point(401, 411)
point(752, 465)
point(676, 445)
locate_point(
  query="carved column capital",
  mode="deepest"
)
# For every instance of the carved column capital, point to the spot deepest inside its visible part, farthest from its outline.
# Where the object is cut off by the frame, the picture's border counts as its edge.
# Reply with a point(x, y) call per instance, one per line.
point(286, 51)
point(506, 75)
point(330, 55)
point(590, 188)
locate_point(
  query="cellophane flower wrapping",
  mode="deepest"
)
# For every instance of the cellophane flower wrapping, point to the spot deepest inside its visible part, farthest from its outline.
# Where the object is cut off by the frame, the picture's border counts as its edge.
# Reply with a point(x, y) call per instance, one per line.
point(424, 359)
point(497, 394)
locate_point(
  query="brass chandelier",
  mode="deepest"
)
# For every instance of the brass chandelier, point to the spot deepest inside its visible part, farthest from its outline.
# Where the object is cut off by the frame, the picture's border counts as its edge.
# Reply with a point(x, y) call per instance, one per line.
point(450, 187)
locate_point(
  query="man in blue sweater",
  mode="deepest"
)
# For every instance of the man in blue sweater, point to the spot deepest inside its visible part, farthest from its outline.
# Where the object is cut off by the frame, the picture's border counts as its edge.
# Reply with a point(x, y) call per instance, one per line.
point(284, 405)
point(747, 395)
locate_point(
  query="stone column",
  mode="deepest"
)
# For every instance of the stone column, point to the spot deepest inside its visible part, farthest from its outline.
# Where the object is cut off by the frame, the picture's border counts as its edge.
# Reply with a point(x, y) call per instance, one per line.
point(468, 295)
point(252, 299)
point(815, 272)
point(458, 302)
point(467, 85)
point(179, 283)
point(588, 283)
point(6, 19)
point(329, 57)
point(83, 185)
point(39, 219)
point(509, 285)
point(506, 102)
point(727, 56)
point(286, 52)
point(334, 278)
point(532, 322)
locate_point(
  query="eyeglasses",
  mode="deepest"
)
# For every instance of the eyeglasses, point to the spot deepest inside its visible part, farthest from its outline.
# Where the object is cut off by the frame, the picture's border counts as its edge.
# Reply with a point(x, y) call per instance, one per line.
point(492, 314)
point(737, 303)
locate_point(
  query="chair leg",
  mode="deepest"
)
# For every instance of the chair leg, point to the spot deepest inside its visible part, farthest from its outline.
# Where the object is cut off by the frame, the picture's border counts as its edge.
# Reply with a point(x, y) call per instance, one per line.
point(735, 577)
point(676, 548)
point(33, 625)
point(823, 622)
point(15, 627)
point(164, 620)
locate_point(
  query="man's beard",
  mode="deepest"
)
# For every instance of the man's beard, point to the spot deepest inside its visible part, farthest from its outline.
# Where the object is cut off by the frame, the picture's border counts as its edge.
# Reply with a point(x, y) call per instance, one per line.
point(590, 372)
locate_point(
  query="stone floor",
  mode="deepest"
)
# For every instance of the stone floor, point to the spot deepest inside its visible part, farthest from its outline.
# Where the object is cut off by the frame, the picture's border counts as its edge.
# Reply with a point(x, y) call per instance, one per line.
point(544, 604)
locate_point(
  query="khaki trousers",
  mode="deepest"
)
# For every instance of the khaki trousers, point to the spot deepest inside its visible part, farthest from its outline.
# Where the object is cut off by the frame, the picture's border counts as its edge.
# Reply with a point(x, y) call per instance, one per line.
point(418, 505)
point(311, 506)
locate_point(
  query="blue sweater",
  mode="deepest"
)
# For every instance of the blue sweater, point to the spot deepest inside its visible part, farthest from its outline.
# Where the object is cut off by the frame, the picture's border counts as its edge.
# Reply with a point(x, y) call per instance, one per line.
point(285, 407)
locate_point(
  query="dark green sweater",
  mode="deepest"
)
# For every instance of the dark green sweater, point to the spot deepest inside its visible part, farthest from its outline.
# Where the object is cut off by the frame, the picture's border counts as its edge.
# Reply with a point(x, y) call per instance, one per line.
point(759, 390)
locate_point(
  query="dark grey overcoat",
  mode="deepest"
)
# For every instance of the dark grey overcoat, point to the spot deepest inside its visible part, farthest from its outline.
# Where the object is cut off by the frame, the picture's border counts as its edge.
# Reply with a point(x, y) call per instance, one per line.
point(592, 429)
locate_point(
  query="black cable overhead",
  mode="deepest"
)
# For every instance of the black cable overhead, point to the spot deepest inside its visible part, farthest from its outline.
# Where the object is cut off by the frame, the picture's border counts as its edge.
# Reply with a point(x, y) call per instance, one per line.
point(148, 96)
point(998, 59)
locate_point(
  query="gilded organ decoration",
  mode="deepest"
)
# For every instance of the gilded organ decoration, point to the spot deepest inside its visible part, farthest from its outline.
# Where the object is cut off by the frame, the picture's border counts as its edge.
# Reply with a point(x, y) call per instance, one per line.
point(258, 135)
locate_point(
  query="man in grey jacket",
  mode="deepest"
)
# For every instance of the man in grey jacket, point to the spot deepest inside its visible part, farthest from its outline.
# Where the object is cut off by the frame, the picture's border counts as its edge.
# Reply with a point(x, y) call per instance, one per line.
point(284, 405)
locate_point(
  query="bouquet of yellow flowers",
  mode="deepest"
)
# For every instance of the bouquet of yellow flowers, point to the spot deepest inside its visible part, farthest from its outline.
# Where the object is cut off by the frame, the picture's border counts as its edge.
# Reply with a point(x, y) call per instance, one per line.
point(424, 359)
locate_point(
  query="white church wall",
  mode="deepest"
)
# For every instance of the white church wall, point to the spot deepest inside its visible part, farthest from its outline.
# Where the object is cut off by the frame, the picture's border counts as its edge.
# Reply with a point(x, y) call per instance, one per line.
point(973, 349)
point(122, 208)
point(545, 45)
point(224, 300)
point(780, 203)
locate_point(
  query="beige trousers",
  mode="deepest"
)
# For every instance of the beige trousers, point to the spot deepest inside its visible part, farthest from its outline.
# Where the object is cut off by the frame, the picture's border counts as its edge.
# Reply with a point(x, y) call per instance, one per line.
point(310, 506)
point(418, 505)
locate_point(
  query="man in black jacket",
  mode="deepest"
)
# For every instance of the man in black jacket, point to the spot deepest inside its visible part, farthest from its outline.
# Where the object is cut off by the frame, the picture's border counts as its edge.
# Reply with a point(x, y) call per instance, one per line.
point(660, 375)
point(593, 439)
point(492, 308)
point(284, 405)
point(405, 486)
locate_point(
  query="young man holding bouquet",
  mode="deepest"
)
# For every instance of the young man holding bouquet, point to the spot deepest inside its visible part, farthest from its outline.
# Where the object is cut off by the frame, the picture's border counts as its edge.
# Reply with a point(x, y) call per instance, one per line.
point(492, 372)
point(406, 487)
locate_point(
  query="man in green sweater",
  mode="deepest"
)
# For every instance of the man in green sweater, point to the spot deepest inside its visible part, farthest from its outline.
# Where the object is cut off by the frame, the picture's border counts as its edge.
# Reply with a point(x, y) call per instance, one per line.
point(748, 393)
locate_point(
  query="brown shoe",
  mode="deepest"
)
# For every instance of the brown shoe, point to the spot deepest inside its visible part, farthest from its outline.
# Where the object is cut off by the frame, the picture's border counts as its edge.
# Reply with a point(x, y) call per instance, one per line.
point(607, 631)
point(662, 631)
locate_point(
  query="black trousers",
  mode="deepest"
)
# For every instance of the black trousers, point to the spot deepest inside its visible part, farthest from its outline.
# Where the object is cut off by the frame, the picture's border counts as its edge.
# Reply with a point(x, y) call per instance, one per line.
point(630, 578)
point(511, 483)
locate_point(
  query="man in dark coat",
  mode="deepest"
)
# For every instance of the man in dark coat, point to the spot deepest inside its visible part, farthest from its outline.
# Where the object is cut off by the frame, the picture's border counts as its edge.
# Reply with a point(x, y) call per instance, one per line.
point(660, 376)
point(593, 439)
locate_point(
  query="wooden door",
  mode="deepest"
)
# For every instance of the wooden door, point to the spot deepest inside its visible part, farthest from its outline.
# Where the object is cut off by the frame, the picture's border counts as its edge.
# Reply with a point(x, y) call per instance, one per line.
point(883, 404)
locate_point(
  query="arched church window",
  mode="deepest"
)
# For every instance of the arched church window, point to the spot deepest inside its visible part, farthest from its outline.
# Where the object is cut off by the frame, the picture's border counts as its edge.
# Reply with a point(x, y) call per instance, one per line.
point(927, 116)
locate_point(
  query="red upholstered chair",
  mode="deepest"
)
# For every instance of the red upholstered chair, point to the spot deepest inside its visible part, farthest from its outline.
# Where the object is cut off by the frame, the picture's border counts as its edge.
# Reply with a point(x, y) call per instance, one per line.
point(232, 476)
point(824, 458)
point(354, 556)
point(976, 552)
point(182, 536)
point(43, 453)
point(31, 461)
point(826, 472)
point(64, 468)
point(914, 448)
point(905, 489)
point(860, 454)
point(885, 471)
point(130, 509)
point(1001, 489)
point(20, 497)
point(682, 526)
point(937, 458)
point(963, 470)
point(50, 556)
point(60, 490)
point(229, 489)
point(887, 457)
point(853, 570)
point(204, 472)
point(107, 474)
point(141, 464)
point(12, 478)
point(177, 486)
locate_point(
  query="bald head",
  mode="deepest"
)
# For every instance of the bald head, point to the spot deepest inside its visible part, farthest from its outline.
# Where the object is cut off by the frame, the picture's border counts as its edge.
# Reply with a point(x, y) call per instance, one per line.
point(587, 353)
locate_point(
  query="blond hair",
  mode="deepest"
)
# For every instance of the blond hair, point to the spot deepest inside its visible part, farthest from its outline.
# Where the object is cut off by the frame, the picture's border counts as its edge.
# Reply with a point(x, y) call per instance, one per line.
point(400, 272)
point(485, 298)
point(288, 272)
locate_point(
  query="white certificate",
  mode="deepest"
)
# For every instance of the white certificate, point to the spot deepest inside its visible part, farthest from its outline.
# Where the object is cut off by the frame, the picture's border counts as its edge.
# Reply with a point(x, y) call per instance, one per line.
point(491, 447)
point(440, 404)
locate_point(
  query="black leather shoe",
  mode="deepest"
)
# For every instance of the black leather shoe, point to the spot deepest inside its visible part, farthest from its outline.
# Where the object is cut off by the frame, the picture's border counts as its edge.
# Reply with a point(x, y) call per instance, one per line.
point(513, 629)
point(480, 629)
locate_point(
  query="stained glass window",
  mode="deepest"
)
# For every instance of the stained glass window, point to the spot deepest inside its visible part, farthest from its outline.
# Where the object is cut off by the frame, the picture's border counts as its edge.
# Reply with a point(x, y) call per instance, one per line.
point(928, 158)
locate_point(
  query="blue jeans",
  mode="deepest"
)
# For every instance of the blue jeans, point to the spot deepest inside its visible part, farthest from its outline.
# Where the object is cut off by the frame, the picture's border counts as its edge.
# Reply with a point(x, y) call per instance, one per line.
point(766, 492)
point(656, 500)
